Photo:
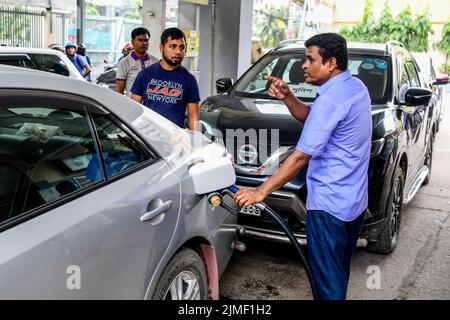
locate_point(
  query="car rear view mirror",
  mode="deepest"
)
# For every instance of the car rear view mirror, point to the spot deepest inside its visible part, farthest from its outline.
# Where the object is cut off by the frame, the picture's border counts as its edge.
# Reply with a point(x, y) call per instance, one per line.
point(415, 97)
point(223, 85)
point(441, 79)
point(212, 175)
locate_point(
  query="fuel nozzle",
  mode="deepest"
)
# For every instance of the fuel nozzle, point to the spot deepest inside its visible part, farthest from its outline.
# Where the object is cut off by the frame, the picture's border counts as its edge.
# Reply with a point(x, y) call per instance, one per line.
point(225, 198)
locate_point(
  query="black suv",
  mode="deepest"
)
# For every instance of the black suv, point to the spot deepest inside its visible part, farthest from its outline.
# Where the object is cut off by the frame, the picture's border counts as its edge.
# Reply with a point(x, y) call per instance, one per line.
point(261, 133)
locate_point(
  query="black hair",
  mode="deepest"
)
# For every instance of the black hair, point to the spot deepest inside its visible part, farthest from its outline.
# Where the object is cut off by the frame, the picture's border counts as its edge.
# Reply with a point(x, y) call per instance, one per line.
point(138, 31)
point(174, 33)
point(331, 45)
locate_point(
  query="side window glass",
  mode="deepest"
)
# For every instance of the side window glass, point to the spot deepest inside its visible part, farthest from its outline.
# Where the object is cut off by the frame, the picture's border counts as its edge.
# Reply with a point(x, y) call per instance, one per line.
point(404, 80)
point(432, 72)
point(51, 63)
point(120, 151)
point(44, 156)
point(22, 63)
point(412, 72)
point(293, 75)
point(259, 82)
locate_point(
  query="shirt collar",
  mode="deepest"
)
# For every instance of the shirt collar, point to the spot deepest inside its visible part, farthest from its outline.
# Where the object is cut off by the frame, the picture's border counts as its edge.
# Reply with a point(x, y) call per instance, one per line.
point(339, 78)
point(135, 57)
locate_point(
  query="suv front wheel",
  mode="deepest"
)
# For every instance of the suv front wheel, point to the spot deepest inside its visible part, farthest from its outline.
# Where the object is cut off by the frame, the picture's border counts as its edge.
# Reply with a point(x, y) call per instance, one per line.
point(388, 237)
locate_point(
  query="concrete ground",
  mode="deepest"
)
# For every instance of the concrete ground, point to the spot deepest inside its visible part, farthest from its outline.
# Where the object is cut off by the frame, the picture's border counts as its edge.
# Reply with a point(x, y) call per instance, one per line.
point(418, 269)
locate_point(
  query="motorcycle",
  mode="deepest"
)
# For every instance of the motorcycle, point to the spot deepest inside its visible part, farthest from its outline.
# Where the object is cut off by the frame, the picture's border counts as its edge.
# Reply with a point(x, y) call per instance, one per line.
point(108, 77)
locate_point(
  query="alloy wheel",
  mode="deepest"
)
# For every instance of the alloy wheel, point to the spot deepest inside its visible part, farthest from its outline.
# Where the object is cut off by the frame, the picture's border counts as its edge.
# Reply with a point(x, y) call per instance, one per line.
point(185, 286)
point(396, 208)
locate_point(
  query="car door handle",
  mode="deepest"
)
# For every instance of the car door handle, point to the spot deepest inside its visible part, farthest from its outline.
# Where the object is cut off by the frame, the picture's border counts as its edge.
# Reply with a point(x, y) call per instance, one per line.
point(159, 207)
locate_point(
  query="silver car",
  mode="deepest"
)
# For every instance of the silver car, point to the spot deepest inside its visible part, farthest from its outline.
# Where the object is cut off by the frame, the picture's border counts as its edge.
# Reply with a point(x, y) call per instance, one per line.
point(101, 198)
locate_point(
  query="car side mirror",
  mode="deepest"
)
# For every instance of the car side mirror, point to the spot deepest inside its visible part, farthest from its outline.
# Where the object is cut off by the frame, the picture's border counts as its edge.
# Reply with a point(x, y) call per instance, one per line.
point(223, 85)
point(441, 79)
point(415, 97)
point(212, 175)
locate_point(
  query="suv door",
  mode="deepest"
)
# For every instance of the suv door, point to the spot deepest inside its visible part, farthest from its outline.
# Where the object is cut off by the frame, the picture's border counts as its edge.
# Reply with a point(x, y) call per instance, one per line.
point(85, 181)
point(423, 115)
point(414, 118)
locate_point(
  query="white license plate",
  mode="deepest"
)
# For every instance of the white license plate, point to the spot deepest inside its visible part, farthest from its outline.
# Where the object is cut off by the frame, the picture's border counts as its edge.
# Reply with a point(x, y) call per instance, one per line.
point(251, 210)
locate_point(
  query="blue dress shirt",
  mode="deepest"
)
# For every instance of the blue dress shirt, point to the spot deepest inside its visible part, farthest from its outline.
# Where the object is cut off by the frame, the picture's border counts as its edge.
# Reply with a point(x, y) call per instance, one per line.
point(337, 136)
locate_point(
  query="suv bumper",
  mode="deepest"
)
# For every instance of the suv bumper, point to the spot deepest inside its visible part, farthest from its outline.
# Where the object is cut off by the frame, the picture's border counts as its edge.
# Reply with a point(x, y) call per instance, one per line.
point(292, 210)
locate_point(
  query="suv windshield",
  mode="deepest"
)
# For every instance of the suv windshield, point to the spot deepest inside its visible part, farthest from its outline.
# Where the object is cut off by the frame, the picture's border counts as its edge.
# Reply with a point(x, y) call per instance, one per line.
point(372, 70)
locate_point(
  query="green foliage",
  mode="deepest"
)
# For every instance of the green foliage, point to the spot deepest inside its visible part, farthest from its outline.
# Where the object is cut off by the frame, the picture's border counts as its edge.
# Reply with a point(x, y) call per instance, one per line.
point(137, 14)
point(91, 9)
point(445, 68)
point(444, 44)
point(271, 29)
point(413, 33)
point(13, 28)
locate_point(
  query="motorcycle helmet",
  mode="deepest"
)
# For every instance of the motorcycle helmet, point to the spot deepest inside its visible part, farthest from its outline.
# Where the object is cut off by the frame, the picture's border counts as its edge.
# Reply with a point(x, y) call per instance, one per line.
point(127, 48)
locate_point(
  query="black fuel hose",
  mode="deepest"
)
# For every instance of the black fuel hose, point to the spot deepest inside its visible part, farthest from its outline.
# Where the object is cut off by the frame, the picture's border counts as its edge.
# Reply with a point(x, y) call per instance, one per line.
point(264, 207)
point(294, 242)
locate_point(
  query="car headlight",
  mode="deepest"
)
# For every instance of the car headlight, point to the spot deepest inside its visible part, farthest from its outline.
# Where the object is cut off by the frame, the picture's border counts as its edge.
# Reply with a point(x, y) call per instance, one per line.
point(271, 165)
point(376, 147)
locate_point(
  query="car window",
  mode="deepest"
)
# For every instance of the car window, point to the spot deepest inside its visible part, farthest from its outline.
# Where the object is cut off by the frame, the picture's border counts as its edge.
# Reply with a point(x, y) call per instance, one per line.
point(404, 82)
point(45, 152)
point(432, 71)
point(258, 83)
point(414, 79)
point(120, 150)
point(50, 63)
point(373, 71)
point(22, 63)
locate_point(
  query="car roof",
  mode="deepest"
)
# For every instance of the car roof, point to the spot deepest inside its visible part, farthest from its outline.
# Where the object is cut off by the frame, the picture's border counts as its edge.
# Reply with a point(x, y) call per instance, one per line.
point(28, 50)
point(22, 78)
point(24, 50)
point(353, 47)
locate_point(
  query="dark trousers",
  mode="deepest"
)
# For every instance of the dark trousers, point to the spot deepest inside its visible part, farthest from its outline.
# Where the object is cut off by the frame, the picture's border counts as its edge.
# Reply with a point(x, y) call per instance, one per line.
point(331, 245)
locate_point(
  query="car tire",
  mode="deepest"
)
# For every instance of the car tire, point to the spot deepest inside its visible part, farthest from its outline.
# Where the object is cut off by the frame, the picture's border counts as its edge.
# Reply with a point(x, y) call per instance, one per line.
point(429, 159)
point(388, 237)
point(184, 274)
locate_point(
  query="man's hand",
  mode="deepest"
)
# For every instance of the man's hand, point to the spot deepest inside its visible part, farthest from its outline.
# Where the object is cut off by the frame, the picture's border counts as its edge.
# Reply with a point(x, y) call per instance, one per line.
point(246, 197)
point(290, 168)
point(120, 85)
point(278, 89)
point(193, 116)
point(87, 70)
point(136, 98)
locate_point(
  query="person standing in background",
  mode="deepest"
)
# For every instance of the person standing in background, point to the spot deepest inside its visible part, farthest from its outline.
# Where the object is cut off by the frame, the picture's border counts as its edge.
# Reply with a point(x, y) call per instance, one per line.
point(167, 87)
point(82, 51)
point(78, 61)
point(137, 60)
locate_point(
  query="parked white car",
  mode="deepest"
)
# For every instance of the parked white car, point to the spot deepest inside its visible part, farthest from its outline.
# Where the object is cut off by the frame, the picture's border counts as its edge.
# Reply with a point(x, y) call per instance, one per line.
point(47, 60)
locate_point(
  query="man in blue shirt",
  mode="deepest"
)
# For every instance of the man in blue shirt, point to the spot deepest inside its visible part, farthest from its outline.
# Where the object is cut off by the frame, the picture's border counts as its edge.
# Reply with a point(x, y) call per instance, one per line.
point(167, 87)
point(78, 61)
point(335, 141)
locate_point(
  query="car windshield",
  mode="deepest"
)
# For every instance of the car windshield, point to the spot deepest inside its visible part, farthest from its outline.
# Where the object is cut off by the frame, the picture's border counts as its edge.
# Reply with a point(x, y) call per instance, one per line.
point(372, 70)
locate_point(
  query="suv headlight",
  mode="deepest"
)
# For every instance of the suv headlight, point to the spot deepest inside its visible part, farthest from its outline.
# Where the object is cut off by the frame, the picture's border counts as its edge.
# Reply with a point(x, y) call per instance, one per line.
point(271, 165)
point(376, 147)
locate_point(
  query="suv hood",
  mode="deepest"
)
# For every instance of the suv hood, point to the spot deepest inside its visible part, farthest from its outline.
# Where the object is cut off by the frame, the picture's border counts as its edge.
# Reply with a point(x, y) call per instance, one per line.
point(261, 133)
point(222, 113)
